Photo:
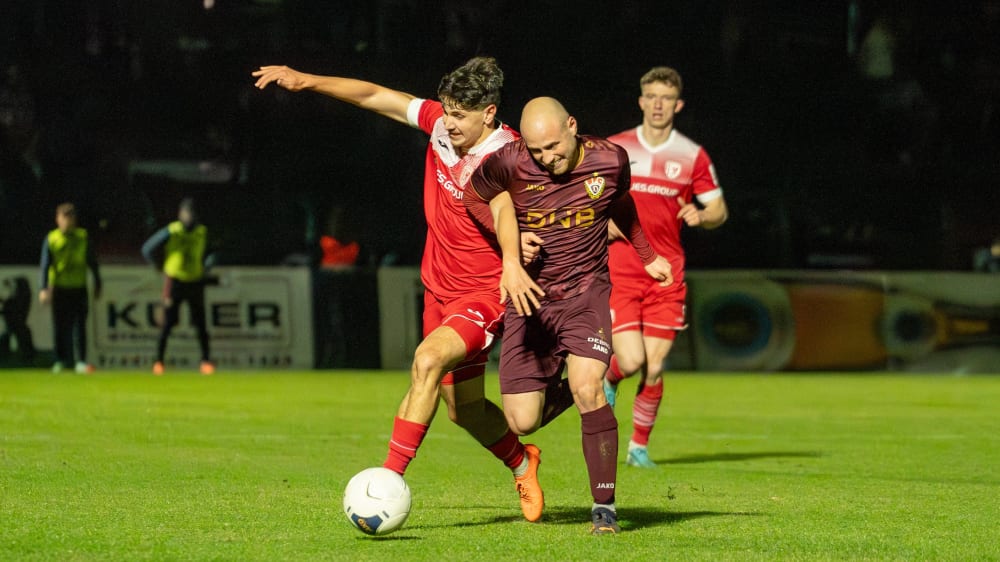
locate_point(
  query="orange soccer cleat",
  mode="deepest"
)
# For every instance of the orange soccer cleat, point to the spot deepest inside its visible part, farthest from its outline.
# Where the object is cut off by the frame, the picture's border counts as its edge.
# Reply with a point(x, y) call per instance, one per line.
point(532, 498)
point(158, 368)
point(84, 368)
point(207, 368)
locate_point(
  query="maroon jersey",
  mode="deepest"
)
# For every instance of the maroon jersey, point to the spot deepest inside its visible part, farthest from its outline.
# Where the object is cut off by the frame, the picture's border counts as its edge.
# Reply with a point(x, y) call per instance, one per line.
point(569, 212)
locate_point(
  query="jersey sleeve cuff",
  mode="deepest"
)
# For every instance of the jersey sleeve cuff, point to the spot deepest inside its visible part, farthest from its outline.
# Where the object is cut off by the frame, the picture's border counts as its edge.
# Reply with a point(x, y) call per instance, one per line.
point(413, 112)
point(709, 195)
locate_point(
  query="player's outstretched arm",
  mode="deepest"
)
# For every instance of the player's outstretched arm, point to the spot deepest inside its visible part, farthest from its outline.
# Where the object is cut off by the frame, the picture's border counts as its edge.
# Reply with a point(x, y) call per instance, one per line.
point(366, 95)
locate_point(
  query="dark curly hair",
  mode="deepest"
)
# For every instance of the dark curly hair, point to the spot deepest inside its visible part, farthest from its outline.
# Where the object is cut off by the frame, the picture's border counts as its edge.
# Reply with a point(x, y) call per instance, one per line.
point(474, 85)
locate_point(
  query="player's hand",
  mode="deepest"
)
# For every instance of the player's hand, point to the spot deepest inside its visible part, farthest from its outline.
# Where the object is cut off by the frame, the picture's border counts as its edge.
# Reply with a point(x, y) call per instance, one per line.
point(45, 296)
point(289, 79)
point(522, 290)
point(167, 302)
point(531, 247)
point(689, 213)
point(660, 270)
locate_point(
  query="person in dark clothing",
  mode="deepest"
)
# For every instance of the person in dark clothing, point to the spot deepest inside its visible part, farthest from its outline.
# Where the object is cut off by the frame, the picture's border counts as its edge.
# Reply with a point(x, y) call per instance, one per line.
point(14, 309)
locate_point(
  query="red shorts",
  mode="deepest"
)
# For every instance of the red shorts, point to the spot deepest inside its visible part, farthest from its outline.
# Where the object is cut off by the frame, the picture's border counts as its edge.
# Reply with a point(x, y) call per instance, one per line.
point(477, 318)
point(535, 347)
point(645, 306)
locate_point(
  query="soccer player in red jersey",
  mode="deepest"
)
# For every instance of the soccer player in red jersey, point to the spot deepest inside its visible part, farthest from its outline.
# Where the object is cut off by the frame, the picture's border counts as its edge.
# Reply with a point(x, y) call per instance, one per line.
point(565, 188)
point(669, 171)
point(460, 268)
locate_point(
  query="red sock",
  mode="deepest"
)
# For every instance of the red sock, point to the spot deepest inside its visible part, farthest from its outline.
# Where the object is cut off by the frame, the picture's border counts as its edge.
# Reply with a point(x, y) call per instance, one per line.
point(600, 450)
point(403, 445)
point(644, 410)
point(508, 449)
point(614, 374)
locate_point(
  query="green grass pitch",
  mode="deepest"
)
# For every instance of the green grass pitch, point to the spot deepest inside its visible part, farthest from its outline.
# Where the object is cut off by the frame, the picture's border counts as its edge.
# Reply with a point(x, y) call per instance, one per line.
point(252, 465)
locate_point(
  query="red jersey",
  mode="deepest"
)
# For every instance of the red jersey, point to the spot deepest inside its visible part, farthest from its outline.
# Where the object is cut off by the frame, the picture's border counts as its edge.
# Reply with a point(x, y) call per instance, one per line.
point(660, 174)
point(458, 259)
point(570, 212)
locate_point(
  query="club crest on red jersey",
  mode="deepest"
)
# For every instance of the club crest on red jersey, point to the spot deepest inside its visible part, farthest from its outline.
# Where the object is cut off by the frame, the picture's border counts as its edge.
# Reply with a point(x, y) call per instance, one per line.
point(672, 169)
point(595, 186)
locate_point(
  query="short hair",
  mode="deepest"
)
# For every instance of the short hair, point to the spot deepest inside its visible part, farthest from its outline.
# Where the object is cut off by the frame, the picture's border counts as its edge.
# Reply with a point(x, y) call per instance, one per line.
point(474, 85)
point(663, 74)
point(66, 210)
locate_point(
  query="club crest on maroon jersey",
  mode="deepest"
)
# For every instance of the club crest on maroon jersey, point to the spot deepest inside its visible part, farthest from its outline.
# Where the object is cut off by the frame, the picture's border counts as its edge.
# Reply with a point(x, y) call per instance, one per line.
point(595, 186)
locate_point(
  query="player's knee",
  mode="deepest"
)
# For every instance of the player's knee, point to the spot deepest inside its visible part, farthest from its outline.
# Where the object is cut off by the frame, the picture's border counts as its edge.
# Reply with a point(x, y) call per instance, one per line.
point(654, 372)
point(630, 364)
point(523, 423)
point(428, 366)
point(589, 395)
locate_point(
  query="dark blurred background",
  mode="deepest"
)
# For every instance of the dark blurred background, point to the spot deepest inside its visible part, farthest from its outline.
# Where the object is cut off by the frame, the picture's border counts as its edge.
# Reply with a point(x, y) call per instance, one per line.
point(853, 134)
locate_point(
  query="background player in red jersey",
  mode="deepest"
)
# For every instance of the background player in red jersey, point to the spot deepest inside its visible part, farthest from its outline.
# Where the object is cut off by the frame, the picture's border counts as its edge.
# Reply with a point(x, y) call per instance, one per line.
point(565, 188)
point(669, 171)
point(460, 268)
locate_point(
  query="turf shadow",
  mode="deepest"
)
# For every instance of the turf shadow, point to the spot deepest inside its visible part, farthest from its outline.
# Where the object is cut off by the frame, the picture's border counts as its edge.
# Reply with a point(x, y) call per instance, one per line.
point(397, 536)
point(631, 518)
point(640, 517)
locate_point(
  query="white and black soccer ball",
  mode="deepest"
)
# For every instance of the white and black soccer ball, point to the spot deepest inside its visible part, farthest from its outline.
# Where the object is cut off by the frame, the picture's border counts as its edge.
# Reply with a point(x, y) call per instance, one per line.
point(377, 501)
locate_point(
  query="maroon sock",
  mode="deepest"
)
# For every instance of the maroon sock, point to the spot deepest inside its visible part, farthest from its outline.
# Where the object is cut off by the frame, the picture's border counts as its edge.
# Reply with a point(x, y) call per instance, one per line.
point(403, 445)
point(644, 410)
point(509, 450)
point(600, 450)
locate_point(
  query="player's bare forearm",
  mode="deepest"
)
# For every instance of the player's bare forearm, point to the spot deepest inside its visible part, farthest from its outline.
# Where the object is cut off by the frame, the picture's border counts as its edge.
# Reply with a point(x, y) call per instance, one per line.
point(366, 95)
point(711, 216)
point(714, 214)
point(505, 222)
point(514, 280)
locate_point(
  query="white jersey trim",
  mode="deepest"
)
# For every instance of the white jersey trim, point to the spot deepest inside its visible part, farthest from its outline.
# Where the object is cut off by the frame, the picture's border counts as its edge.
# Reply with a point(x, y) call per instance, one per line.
point(709, 195)
point(662, 146)
point(413, 112)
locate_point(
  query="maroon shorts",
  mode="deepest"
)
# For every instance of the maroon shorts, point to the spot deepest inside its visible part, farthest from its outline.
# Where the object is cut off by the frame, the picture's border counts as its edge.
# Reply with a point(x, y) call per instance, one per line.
point(535, 347)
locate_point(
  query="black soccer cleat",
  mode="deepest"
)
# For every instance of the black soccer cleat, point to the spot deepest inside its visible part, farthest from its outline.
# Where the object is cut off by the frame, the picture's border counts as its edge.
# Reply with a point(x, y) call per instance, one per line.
point(605, 522)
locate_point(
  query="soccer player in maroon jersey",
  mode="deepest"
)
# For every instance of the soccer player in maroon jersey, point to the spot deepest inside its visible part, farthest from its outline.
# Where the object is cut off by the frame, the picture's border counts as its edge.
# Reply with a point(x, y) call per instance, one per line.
point(669, 171)
point(460, 268)
point(565, 188)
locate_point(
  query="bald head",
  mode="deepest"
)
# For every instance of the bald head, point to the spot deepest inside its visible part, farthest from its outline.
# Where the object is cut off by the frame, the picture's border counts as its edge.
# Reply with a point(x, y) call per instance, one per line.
point(543, 113)
point(549, 133)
